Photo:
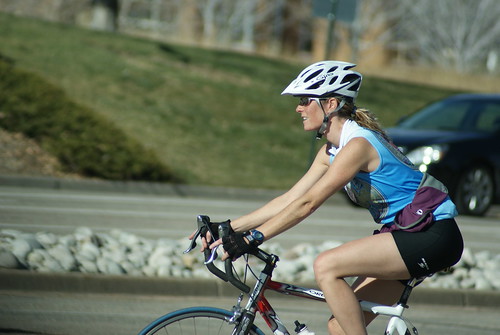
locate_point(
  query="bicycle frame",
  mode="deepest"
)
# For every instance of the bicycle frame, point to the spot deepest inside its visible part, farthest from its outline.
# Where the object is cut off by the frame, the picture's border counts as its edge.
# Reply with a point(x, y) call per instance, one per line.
point(258, 301)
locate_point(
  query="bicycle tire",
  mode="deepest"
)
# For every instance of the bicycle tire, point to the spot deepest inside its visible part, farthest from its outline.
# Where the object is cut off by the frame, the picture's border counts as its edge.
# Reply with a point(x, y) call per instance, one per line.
point(194, 321)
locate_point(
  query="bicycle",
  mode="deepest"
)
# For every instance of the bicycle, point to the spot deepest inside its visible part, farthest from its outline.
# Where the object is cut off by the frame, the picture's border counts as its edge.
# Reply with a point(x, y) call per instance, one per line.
point(240, 320)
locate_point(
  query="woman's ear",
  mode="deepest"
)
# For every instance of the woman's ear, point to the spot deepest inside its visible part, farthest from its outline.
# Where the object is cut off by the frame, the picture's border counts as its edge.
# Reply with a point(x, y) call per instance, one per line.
point(332, 104)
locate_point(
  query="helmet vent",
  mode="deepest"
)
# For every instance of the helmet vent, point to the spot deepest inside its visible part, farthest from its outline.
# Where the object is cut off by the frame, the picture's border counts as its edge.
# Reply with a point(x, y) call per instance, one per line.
point(333, 80)
point(355, 88)
point(316, 85)
point(349, 78)
point(313, 75)
point(354, 79)
point(333, 69)
point(303, 74)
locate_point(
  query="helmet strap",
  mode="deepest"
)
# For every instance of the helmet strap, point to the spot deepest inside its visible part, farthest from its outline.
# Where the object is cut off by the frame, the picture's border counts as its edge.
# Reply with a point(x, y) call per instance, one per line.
point(326, 119)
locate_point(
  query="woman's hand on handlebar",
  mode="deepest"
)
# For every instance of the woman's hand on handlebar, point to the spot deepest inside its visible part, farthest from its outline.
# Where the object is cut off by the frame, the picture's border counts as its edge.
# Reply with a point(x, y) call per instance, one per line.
point(210, 233)
point(235, 245)
point(217, 243)
point(204, 244)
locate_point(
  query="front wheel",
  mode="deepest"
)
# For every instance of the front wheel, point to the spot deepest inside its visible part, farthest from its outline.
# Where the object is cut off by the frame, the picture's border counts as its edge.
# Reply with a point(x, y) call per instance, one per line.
point(195, 320)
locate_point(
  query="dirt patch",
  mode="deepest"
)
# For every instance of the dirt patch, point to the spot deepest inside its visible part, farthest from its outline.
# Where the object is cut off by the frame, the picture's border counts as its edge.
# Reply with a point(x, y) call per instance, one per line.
point(20, 155)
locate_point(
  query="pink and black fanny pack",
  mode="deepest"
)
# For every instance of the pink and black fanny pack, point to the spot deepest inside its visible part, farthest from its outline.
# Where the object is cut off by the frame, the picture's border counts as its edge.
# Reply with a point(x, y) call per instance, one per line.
point(418, 214)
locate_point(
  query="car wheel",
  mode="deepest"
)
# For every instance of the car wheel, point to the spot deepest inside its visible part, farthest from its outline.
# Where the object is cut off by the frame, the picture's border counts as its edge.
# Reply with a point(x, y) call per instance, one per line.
point(475, 189)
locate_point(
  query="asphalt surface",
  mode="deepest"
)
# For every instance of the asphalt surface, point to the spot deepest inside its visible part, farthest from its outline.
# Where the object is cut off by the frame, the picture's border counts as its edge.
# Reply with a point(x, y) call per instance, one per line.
point(84, 283)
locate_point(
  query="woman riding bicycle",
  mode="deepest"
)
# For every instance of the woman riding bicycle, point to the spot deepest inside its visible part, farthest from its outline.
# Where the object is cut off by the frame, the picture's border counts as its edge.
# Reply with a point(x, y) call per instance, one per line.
point(418, 234)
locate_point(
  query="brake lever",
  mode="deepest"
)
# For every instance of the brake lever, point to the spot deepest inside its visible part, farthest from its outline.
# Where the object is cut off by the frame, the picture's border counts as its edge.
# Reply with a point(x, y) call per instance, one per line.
point(193, 244)
point(213, 255)
point(202, 223)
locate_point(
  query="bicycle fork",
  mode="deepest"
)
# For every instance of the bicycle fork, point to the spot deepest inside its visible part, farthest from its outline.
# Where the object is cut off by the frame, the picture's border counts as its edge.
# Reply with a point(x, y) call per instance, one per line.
point(244, 317)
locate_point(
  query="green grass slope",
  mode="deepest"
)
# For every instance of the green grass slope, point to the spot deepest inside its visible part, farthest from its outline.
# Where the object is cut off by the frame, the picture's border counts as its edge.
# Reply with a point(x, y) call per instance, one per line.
point(84, 143)
point(213, 117)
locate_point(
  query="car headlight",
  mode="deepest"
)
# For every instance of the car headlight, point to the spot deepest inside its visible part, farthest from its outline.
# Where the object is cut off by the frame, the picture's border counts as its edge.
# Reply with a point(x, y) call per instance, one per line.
point(423, 156)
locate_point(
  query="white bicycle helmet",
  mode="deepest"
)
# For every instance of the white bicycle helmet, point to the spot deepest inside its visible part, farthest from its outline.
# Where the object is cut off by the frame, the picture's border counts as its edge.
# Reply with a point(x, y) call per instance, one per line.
point(327, 78)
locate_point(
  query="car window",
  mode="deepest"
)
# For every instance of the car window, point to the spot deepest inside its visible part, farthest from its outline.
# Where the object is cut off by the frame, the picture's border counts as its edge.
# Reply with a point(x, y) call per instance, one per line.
point(441, 116)
point(489, 118)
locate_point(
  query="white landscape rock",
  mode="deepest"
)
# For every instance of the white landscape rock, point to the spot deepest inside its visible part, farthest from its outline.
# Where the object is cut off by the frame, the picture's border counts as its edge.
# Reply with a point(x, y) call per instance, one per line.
point(121, 253)
point(63, 256)
point(20, 248)
point(46, 240)
point(8, 260)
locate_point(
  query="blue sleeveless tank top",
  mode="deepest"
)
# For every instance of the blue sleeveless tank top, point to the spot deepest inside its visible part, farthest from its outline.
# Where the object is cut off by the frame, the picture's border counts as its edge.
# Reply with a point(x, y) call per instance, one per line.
point(389, 188)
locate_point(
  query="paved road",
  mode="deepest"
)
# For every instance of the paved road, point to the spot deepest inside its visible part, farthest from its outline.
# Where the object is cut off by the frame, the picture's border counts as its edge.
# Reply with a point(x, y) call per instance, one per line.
point(153, 216)
point(82, 314)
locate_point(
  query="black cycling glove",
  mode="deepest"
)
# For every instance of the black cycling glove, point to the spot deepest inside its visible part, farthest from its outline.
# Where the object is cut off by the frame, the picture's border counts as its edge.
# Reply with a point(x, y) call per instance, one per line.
point(236, 245)
point(214, 229)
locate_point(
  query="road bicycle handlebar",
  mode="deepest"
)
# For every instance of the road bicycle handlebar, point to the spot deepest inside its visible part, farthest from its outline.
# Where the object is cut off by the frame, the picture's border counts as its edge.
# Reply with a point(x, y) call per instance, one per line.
point(211, 255)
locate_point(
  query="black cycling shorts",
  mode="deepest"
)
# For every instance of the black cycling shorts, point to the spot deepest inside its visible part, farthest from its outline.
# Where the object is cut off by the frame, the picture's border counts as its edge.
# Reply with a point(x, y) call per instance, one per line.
point(431, 250)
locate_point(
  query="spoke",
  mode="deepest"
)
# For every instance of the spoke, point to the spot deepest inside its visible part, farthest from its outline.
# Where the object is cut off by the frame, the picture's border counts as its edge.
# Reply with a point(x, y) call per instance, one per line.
point(220, 328)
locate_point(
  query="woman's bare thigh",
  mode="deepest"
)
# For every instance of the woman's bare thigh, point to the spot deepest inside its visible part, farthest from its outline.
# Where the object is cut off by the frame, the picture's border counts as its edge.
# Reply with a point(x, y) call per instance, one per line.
point(375, 256)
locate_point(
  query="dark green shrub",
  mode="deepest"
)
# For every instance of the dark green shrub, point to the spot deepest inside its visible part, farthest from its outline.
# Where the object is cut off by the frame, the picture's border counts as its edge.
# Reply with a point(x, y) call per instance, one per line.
point(84, 142)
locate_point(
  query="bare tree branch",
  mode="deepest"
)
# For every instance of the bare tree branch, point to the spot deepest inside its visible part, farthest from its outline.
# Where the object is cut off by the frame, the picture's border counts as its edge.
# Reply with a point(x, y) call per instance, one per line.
point(456, 34)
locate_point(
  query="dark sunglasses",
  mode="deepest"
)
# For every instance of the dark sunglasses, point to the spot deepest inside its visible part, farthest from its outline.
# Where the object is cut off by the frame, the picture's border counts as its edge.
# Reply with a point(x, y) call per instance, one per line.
point(305, 101)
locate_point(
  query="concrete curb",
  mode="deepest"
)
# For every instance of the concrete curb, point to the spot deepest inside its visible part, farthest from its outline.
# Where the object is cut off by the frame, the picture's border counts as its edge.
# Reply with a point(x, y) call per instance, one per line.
point(179, 190)
point(23, 280)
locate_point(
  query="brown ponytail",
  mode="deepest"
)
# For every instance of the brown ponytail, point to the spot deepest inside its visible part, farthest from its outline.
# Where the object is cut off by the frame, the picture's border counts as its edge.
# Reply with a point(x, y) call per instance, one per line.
point(362, 117)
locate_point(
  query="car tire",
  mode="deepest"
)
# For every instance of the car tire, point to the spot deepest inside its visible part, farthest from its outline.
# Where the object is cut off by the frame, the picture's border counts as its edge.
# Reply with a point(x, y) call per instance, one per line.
point(475, 190)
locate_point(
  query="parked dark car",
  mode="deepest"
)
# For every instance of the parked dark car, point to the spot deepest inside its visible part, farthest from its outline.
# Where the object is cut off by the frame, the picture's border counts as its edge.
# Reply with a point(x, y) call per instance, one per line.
point(457, 140)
